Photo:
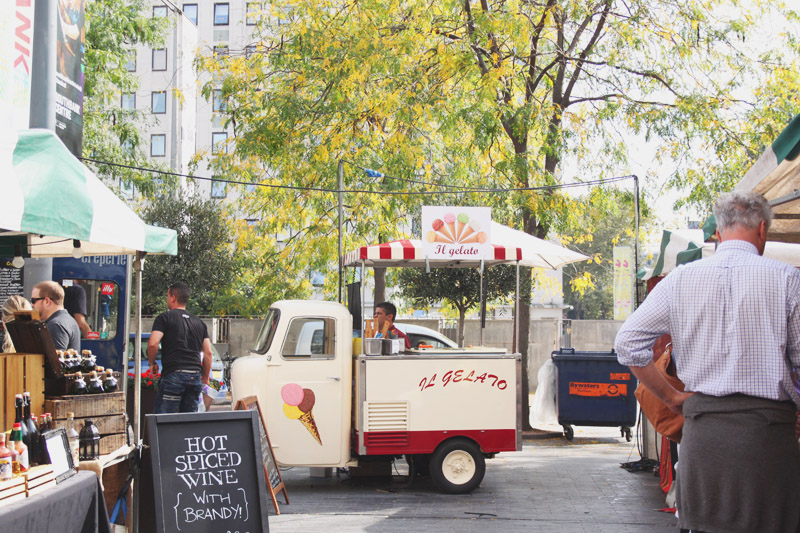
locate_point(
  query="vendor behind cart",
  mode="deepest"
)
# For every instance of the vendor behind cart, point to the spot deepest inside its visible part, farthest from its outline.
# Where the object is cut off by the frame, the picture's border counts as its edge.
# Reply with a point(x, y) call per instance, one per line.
point(385, 313)
point(47, 298)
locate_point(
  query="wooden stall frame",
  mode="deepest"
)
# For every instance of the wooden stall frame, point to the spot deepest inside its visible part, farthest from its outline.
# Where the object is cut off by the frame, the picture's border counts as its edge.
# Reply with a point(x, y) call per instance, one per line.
point(250, 403)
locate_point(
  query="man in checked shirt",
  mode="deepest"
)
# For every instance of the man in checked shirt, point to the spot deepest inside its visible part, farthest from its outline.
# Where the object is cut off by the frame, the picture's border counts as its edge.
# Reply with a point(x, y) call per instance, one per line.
point(734, 319)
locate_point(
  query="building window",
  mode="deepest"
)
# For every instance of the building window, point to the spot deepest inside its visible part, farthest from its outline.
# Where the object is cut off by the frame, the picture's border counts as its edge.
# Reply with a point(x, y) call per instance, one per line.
point(219, 143)
point(128, 101)
point(218, 104)
point(218, 189)
point(158, 101)
point(253, 13)
point(249, 50)
point(159, 59)
point(221, 14)
point(221, 50)
point(190, 10)
point(130, 66)
point(158, 145)
point(159, 11)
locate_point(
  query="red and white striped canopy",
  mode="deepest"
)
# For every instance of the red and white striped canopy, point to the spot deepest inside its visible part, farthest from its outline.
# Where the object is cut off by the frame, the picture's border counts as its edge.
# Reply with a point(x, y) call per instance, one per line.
point(408, 253)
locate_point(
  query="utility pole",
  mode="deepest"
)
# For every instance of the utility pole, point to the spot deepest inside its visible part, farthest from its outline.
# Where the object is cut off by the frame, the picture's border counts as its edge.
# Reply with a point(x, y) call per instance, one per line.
point(341, 201)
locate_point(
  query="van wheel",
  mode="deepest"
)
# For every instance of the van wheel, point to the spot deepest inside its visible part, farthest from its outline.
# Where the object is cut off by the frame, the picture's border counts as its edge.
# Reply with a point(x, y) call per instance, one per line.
point(457, 466)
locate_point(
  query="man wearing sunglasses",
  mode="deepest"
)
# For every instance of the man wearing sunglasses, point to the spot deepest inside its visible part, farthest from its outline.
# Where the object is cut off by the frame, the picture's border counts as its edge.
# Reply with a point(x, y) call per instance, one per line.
point(47, 297)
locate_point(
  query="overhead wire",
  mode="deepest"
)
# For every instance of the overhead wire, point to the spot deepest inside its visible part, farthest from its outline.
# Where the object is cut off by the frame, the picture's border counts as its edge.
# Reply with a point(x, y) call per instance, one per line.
point(447, 189)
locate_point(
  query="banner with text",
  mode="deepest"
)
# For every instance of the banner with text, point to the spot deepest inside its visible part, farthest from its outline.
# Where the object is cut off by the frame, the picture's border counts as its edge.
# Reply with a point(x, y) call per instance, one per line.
point(456, 232)
point(69, 74)
point(623, 282)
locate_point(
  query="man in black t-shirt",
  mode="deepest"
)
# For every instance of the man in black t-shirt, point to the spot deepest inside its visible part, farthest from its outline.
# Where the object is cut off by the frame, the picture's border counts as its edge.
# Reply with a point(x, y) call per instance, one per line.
point(185, 354)
point(75, 305)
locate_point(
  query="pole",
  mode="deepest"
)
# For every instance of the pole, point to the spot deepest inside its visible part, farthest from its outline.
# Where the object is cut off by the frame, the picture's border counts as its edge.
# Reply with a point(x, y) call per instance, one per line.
point(481, 308)
point(138, 265)
point(341, 199)
point(516, 314)
point(43, 65)
point(635, 298)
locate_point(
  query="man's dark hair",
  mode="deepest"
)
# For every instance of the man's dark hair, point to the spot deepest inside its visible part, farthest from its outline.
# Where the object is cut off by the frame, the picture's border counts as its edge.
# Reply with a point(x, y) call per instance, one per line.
point(388, 308)
point(181, 292)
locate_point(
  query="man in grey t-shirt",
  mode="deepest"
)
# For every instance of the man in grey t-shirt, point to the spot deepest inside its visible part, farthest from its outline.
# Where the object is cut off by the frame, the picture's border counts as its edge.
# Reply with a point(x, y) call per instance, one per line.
point(47, 298)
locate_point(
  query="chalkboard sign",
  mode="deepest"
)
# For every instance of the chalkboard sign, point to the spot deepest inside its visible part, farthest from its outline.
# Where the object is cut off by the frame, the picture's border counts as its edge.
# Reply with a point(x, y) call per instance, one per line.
point(274, 479)
point(205, 472)
point(11, 280)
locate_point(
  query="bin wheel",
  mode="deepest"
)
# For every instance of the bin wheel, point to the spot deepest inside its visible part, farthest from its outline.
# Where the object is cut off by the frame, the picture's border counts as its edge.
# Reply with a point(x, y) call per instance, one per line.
point(569, 434)
point(626, 432)
point(457, 466)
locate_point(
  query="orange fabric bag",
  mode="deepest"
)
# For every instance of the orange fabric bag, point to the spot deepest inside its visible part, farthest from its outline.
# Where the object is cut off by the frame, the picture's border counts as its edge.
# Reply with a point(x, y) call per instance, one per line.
point(665, 421)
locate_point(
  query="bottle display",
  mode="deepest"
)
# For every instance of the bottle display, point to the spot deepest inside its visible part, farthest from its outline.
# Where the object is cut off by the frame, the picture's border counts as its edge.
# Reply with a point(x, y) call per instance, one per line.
point(19, 403)
point(72, 437)
point(23, 457)
point(33, 431)
point(6, 471)
point(95, 386)
point(110, 384)
point(87, 361)
point(78, 386)
point(44, 456)
point(12, 445)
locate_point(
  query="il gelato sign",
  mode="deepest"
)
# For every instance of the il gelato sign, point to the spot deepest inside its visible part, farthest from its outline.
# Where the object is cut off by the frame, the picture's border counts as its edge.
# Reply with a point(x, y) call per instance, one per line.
point(456, 232)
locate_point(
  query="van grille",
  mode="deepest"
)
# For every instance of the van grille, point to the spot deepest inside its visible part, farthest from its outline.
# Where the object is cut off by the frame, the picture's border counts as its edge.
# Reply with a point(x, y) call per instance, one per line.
point(386, 416)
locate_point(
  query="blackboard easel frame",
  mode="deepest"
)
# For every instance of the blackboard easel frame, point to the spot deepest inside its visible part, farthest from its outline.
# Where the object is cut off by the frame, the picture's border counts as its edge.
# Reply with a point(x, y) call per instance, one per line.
point(154, 421)
point(248, 403)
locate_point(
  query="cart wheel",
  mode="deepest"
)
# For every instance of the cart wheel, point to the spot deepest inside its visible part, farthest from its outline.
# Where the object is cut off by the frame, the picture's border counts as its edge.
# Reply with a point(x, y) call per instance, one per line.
point(569, 434)
point(457, 466)
point(627, 433)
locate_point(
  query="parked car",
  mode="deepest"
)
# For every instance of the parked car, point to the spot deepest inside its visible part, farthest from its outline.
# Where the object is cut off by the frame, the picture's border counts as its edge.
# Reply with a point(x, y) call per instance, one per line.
point(422, 335)
point(217, 366)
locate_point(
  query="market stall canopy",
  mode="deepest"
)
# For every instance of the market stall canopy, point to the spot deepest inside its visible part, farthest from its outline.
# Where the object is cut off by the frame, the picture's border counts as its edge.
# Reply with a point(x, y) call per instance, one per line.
point(509, 247)
point(51, 198)
point(679, 247)
point(776, 175)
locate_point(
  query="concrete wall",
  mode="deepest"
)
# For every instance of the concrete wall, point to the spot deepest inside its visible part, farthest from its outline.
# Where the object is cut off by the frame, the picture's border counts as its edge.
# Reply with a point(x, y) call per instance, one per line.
point(545, 336)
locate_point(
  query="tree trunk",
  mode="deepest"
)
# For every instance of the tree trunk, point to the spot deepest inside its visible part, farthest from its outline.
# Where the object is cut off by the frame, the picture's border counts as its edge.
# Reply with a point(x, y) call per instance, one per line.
point(380, 285)
point(461, 321)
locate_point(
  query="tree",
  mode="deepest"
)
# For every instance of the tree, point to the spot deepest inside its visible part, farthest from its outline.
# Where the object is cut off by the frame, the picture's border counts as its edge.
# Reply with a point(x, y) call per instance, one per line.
point(459, 287)
point(605, 220)
point(113, 29)
point(205, 260)
point(451, 95)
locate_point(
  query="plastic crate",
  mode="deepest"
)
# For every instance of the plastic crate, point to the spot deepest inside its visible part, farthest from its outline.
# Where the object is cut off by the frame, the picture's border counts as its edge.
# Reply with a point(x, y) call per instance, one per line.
point(594, 389)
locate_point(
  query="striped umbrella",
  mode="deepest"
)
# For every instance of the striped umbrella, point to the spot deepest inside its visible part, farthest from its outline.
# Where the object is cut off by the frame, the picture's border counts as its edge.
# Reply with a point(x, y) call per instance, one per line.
point(50, 199)
point(508, 246)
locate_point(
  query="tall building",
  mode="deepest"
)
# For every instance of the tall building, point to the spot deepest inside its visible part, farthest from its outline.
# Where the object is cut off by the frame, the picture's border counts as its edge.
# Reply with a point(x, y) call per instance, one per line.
point(183, 125)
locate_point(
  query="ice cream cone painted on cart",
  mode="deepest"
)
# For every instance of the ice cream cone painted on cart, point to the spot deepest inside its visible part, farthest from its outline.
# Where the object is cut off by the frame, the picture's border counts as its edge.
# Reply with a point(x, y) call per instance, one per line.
point(461, 222)
point(298, 405)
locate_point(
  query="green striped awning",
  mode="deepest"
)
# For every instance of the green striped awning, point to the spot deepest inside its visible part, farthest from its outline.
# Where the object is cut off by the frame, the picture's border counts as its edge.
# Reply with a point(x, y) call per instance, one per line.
point(51, 198)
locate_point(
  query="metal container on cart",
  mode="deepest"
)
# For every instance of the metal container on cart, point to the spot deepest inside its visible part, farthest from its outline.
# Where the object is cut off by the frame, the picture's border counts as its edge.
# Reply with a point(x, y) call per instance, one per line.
point(594, 389)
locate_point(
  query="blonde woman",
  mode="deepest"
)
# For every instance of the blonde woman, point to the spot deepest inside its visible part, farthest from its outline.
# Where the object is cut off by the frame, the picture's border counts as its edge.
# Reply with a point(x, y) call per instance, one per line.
point(12, 304)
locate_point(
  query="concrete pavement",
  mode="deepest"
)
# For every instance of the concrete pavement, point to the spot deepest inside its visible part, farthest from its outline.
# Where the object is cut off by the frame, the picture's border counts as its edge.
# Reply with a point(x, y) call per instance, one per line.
point(551, 485)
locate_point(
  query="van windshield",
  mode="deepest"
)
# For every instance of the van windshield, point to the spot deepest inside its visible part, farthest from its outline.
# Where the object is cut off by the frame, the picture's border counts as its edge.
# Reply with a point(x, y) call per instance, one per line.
point(267, 332)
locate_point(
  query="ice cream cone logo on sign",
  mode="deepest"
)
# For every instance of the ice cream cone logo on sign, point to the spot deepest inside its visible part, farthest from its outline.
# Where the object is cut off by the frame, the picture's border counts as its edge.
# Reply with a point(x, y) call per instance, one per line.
point(455, 229)
point(298, 404)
